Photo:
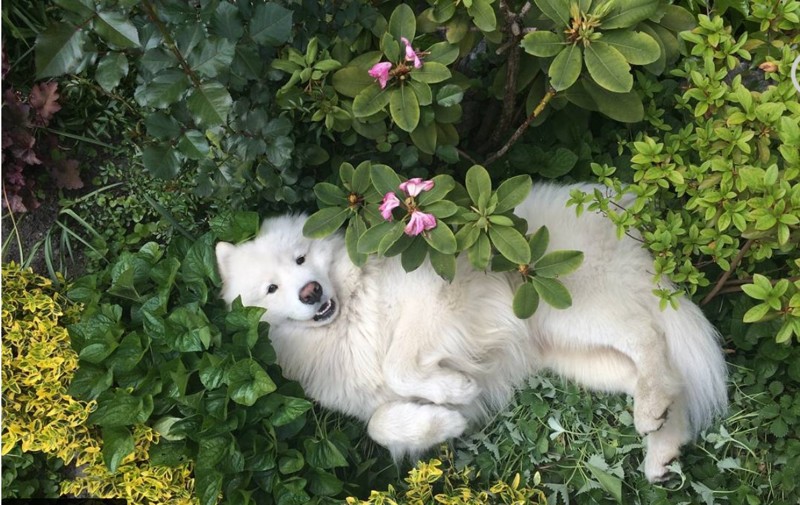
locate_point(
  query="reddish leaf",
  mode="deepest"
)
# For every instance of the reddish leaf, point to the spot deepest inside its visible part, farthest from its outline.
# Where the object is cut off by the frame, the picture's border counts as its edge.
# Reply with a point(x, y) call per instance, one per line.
point(44, 98)
point(67, 175)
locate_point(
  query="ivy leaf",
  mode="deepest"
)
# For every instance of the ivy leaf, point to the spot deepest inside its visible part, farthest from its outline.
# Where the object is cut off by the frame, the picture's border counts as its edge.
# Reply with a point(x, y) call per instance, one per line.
point(210, 104)
point(404, 108)
point(608, 67)
point(247, 382)
point(117, 444)
point(271, 24)
point(59, 50)
point(566, 67)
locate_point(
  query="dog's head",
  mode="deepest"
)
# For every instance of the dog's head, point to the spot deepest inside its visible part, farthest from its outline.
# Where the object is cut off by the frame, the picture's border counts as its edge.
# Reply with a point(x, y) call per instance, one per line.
point(282, 271)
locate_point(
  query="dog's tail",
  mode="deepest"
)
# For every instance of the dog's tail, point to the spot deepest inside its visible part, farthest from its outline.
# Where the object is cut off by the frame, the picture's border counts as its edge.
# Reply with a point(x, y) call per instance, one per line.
point(695, 351)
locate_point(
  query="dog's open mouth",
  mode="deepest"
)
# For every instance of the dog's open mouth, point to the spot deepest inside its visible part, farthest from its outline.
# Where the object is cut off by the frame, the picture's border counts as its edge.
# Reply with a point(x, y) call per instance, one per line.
point(325, 311)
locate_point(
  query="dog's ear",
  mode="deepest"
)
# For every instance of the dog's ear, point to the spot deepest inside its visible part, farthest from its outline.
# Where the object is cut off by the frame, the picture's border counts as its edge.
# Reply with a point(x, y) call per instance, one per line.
point(224, 251)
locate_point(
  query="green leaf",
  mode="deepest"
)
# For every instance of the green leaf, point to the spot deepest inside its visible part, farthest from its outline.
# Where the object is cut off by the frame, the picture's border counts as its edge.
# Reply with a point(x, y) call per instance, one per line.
point(414, 255)
point(89, 381)
point(371, 100)
point(442, 185)
point(117, 445)
point(384, 179)
point(161, 161)
point(543, 43)
point(526, 301)
point(226, 22)
point(449, 95)
point(611, 483)
point(404, 108)
point(291, 408)
point(442, 52)
point(323, 454)
point(292, 461)
point(558, 263)
point(110, 70)
point(403, 23)
point(479, 183)
point(511, 244)
point(214, 57)
point(625, 107)
point(188, 329)
point(638, 48)
point(325, 222)
point(626, 13)
point(538, 243)
point(390, 238)
point(59, 50)
point(193, 145)
point(441, 238)
point(483, 15)
point(271, 24)
point(557, 10)
point(119, 408)
point(330, 195)
point(512, 192)
point(480, 253)
point(553, 292)
point(443, 264)
point(211, 371)
point(370, 240)
point(608, 67)
point(235, 226)
point(425, 137)
point(566, 67)
point(208, 485)
point(756, 313)
point(166, 88)
point(353, 78)
point(209, 104)
point(431, 73)
point(116, 30)
point(247, 382)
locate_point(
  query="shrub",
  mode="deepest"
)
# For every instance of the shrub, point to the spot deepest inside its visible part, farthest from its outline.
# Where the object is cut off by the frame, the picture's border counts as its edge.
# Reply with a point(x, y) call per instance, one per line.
point(40, 417)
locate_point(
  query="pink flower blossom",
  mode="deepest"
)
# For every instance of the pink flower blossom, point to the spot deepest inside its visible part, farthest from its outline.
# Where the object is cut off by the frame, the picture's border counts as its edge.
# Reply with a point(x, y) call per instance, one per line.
point(411, 55)
point(419, 222)
point(380, 71)
point(390, 201)
point(415, 186)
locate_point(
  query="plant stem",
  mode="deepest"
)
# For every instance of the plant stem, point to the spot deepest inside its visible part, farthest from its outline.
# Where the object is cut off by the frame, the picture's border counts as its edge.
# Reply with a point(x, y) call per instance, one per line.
point(735, 263)
point(524, 126)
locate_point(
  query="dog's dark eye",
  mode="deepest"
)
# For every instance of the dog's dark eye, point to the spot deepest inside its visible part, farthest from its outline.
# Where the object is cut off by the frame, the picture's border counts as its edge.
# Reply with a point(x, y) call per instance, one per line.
point(272, 288)
point(300, 260)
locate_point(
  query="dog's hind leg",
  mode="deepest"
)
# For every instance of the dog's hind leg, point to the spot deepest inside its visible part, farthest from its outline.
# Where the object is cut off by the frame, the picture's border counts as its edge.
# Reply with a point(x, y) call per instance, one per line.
point(664, 445)
point(408, 428)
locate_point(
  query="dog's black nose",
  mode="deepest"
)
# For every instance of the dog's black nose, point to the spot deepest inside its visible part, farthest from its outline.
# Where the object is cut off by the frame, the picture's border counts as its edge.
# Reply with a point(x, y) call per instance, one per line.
point(311, 293)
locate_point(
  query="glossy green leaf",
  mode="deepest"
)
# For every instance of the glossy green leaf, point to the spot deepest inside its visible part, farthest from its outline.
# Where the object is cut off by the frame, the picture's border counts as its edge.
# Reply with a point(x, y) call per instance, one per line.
point(511, 244)
point(538, 243)
point(638, 48)
point(608, 67)
point(557, 10)
point(558, 263)
point(59, 50)
point(271, 24)
point(512, 192)
point(384, 179)
point(325, 222)
point(625, 107)
point(480, 253)
point(566, 67)
point(110, 70)
point(404, 108)
point(370, 240)
point(209, 104)
point(442, 185)
point(161, 161)
point(526, 301)
point(247, 382)
point(626, 13)
point(443, 264)
point(483, 15)
point(425, 137)
point(355, 228)
point(478, 183)
point(403, 23)
point(117, 445)
point(553, 292)
point(431, 73)
point(371, 100)
point(441, 238)
point(543, 43)
point(116, 29)
point(329, 194)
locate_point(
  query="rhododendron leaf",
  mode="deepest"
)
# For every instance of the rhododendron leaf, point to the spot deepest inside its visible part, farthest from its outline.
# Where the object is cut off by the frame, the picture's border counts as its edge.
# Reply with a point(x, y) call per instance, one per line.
point(384, 179)
point(329, 194)
point(443, 264)
point(431, 73)
point(511, 244)
point(442, 185)
point(390, 237)
point(425, 137)
point(512, 192)
point(538, 243)
point(543, 43)
point(553, 292)
point(558, 263)
point(626, 13)
point(483, 15)
point(478, 183)
point(481, 252)
point(441, 238)
point(608, 67)
point(414, 254)
point(638, 48)
point(557, 10)
point(566, 67)
point(404, 108)
point(355, 228)
point(325, 221)
point(403, 23)
point(370, 240)
point(371, 100)
point(442, 52)
point(526, 301)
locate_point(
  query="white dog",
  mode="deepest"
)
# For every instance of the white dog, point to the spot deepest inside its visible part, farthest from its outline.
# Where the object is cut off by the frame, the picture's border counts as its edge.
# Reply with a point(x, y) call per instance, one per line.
point(418, 358)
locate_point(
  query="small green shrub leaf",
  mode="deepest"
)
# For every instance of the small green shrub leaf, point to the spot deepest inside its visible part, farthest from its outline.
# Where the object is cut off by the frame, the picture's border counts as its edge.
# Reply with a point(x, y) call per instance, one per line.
point(512, 192)
point(557, 10)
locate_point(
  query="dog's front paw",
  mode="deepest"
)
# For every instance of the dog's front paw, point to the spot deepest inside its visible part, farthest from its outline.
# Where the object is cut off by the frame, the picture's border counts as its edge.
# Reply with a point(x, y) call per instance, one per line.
point(453, 389)
point(650, 412)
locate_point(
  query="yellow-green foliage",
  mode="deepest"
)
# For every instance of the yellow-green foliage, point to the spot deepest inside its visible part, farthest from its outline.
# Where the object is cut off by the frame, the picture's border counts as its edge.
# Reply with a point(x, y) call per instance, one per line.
point(40, 416)
point(429, 484)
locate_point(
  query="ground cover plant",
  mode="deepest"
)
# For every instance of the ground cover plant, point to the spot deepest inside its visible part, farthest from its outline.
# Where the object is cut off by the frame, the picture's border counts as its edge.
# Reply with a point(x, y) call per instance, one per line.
point(208, 115)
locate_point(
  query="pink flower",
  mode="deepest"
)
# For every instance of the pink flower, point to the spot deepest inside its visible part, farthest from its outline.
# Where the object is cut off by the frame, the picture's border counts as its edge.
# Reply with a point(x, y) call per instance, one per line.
point(390, 201)
point(411, 55)
point(380, 71)
point(415, 186)
point(419, 222)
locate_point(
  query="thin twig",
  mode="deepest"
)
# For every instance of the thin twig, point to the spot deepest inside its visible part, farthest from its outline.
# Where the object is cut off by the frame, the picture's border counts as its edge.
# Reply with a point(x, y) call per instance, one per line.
point(725, 276)
point(467, 157)
point(524, 126)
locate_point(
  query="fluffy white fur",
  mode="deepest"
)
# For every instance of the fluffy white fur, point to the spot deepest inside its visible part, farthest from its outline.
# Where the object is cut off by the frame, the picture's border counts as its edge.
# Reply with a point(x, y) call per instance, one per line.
point(419, 359)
